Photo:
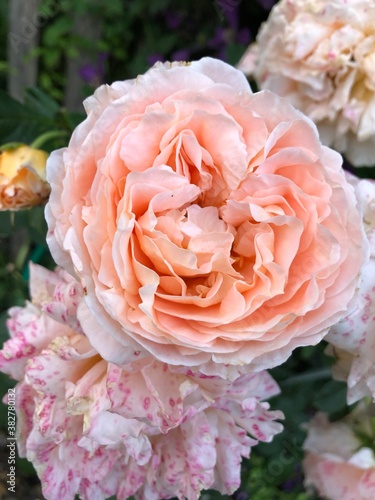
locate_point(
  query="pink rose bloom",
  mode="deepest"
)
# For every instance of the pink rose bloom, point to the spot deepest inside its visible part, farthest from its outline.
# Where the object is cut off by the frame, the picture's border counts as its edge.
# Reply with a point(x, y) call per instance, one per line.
point(321, 56)
point(207, 225)
point(353, 338)
point(336, 465)
point(147, 429)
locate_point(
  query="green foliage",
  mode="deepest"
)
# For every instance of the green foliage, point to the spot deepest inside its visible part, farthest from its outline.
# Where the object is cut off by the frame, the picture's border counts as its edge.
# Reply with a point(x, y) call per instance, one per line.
point(39, 114)
point(132, 32)
point(18, 122)
point(22, 238)
point(41, 103)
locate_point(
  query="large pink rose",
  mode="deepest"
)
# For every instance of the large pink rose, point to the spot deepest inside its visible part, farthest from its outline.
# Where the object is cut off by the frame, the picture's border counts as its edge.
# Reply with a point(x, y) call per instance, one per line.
point(147, 429)
point(320, 55)
point(208, 225)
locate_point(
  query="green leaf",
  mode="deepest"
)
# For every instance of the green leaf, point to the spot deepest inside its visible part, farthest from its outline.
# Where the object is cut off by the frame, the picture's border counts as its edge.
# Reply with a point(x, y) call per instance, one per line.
point(234, 52)
point(308, 376)
point(52, 57)
point(41, 141)
point(41, 102)
point(11, 145)
point(6, 224)
point(37, 226)
point(19, 123)
point(53, 34)
point(73, 119)
point(4, 335)
point(331, 398)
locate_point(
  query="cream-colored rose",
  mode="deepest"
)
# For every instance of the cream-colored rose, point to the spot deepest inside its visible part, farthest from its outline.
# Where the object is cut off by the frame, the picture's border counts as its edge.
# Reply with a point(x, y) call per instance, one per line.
point(22, 178)
point(320, 54)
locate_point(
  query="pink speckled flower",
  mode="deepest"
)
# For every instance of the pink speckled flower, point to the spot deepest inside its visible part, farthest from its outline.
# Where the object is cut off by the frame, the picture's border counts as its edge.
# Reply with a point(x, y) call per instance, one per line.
point(207, 224)
point(147, 429)
point(353, 338)
point(321, 56)
point(336, 465)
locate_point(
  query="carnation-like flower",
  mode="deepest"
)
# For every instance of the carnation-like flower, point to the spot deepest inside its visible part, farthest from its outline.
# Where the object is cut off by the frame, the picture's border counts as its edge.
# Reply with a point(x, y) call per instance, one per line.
point(321, 56)
point(22, 178)
point(337, 465)
point(147, 429)
point(352, 340)
point(208, 225)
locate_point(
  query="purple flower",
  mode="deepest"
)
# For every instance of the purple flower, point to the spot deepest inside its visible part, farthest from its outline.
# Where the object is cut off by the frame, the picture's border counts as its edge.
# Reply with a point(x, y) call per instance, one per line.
point(244, 36)
point(154, 58)
point(231, 14)
point(93, 73)
point(88, 73)
point(173, 20)
point(218, 39)
point(181, 55)
point(267, 4)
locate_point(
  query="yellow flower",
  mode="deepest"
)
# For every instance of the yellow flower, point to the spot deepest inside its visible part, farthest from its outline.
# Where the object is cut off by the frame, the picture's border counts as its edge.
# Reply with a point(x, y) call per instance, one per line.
point(23, 178)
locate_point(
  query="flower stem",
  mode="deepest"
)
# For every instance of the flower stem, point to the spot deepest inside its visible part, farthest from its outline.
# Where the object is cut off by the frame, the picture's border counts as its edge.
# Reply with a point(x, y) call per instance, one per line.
point(312, 376)
point(52, 134)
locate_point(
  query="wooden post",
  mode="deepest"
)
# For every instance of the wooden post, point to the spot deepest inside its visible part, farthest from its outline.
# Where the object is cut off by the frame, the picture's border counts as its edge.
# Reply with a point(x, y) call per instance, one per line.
point(90, 27)
point(23, 38)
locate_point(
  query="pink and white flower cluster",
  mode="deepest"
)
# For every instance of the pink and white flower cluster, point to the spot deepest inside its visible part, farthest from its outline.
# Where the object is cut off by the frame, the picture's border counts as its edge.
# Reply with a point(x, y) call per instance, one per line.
point(337, 464)
point(320, 55)
point(352, 340)
point(148, 429)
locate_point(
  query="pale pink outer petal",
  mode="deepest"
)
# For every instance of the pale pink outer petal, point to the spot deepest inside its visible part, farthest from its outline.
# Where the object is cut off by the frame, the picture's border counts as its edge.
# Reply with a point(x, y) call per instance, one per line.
point(220, 73)
point(355, 333)
point(118, 351)
point(57, 295)
point(232, 443)
point(30, 331)
point(335, 464)
point(338, 480)
point(183, 461)
point(25, 400)
point(66, 469)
